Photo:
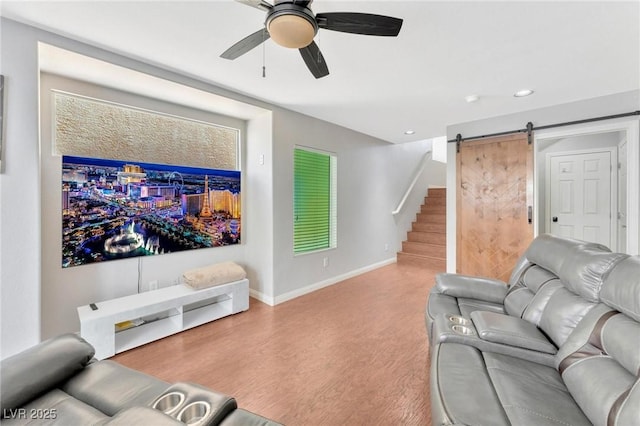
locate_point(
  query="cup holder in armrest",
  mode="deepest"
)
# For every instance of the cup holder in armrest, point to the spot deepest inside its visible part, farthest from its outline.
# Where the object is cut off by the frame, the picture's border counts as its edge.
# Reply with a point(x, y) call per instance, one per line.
point(193, 404)
point(194, 413)
point(458, 319)
point(169, 402)
point(462, 329)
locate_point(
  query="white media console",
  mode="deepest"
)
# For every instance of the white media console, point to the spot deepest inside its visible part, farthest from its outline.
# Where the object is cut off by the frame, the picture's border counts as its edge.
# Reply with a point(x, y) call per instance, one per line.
point(127, 322)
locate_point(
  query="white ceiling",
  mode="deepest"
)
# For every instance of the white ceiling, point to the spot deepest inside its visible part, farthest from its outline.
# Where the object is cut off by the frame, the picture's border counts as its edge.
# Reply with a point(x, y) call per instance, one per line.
point(565, 51)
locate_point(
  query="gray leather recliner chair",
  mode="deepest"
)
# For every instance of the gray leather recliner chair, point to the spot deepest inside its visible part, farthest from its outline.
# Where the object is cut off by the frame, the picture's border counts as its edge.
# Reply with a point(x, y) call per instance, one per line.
point(572, 356)
point(59, 382)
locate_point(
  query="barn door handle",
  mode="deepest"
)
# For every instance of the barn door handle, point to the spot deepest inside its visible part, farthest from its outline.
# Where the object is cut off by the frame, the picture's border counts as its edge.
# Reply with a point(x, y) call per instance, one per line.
point(530, 214)
point(555, 219)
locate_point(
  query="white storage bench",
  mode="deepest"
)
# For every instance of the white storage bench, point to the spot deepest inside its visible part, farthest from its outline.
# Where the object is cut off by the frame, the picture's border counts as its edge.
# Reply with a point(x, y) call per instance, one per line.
point(127, 322)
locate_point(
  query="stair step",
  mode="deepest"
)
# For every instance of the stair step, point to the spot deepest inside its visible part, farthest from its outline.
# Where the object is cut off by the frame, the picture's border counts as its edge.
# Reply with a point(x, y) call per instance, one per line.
point(434, 209)
point(425, 249)
point(437, 192)
point(431, 218)
point(429, 227)
point(436, 238)
point(435, 201)
point(436, 265)
point(426, 242)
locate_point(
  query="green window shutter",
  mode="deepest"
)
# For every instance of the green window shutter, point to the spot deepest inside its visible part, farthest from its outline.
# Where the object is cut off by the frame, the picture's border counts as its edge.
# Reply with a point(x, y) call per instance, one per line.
point(312, 201)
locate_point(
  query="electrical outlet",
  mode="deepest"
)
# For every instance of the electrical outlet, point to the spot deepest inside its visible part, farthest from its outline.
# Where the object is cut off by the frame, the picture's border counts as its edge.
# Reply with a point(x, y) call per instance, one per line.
point(153, 285)
point(325, 262)
point(386, 247)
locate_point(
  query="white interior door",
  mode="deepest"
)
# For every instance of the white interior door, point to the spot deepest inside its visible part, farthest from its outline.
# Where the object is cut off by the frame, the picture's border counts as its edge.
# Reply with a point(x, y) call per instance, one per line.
point(580, 196)
point(622, 197)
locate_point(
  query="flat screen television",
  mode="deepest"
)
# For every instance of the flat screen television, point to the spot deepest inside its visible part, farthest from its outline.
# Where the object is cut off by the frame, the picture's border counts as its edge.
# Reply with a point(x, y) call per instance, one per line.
point(115, 209)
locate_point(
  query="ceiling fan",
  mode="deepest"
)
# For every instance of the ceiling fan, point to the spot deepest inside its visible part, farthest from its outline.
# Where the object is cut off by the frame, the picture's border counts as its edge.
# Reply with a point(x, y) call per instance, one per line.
point(292, 24)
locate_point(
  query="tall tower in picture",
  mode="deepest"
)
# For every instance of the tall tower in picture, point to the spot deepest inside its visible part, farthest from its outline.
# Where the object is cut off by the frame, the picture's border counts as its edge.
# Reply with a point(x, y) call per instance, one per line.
point(205, 212)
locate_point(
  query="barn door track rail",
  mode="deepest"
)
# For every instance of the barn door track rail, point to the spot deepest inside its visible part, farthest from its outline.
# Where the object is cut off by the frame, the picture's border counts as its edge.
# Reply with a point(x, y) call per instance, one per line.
point(529, 128)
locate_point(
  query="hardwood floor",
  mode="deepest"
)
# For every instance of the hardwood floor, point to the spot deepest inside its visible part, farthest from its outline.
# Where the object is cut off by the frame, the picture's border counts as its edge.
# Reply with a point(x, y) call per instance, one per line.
point(354, 353)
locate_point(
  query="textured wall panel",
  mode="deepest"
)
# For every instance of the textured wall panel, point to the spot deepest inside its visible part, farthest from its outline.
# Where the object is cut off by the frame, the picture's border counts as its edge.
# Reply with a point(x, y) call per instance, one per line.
point(90, 128)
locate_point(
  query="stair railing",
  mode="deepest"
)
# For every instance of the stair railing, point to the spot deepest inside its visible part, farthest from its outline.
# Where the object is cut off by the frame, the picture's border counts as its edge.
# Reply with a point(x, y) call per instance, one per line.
point(427, 156)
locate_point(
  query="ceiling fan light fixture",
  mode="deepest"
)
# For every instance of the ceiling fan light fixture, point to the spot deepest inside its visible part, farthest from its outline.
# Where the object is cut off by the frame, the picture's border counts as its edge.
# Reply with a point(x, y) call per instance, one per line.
point(291, 30)
point(292, 24)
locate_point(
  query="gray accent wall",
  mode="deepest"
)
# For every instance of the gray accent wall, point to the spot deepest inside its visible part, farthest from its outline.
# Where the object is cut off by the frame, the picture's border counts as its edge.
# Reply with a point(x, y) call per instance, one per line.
point(372, 177)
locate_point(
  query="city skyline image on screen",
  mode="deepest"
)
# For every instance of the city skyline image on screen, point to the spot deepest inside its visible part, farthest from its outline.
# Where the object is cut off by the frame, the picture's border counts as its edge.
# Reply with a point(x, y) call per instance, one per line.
point(115, 209)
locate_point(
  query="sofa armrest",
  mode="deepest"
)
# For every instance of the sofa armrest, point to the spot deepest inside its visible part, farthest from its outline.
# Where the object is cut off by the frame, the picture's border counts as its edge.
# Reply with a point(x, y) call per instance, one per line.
point(457, 285)
point(242, 417)
point(512, 331)
point(36, 370)
point(140, 416)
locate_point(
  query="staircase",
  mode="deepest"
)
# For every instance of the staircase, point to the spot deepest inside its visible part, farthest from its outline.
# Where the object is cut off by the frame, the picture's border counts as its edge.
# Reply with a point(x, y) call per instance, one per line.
point(426, 242)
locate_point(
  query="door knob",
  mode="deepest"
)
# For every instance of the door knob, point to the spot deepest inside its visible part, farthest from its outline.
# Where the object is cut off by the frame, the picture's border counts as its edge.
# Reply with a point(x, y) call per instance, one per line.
point(555, 218)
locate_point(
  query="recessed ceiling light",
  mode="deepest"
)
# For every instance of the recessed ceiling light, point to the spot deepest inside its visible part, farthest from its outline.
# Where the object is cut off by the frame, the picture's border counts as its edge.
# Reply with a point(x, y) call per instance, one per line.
point(471, 98)
point(409, 132)
point(522, 93)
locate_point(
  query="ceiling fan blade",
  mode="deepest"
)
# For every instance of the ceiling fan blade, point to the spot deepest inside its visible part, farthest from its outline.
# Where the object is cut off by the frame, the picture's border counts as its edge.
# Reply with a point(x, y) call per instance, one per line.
point(360, 23)
point(246, 44)
point(258, 4)
point(314, 60)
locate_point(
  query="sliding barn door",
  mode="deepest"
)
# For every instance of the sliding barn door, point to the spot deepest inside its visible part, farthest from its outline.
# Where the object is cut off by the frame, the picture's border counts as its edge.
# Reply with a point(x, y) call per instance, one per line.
point(494, 204)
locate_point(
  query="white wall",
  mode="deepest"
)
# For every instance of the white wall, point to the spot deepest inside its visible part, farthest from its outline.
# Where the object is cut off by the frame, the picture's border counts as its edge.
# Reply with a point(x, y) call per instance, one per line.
point(19, 194)
point(597, 107)
point(371, 178)
point(258, 207)
point(433, 176)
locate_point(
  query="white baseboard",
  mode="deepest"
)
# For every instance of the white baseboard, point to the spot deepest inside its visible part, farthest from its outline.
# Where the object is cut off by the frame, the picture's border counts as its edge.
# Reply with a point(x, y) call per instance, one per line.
point(325, 283)
point(262, 297)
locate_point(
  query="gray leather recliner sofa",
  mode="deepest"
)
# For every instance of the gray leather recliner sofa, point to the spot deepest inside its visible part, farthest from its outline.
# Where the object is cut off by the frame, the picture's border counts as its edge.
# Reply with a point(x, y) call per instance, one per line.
point(60, 382)
point(557, 345)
